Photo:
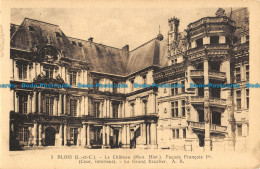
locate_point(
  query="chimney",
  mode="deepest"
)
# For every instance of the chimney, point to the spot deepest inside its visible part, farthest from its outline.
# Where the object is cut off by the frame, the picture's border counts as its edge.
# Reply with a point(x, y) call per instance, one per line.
point(174, 26)
point(126, 48)
point(90, 39)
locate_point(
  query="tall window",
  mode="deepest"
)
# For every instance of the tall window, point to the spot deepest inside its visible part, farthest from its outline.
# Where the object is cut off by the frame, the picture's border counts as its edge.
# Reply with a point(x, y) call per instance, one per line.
point(23, 100)
point(96, 109)
point(22, 71)
point(238, 99)
point(23, 134)
point(239, 130)
point(145, 79)
point(173, 133)
point(237, 74)
point(132, 109)
point(199, 42)
point(49, 101)
point(183, 108)
point(247, 72)
point(174, 89)
point(184, 133)
point(73, 78)
point(175, 109)
point(73, 107)
point(177, 133)
point(183, 88)
point(74, 135)
point(48, 72)
point(132, 85)
point(247, 98)
point(145, 107)
point(115, 110)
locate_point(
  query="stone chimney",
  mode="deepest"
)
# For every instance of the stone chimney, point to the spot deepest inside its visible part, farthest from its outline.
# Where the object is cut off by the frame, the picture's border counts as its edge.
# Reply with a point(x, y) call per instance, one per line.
point(126, 48)
point(90, 39)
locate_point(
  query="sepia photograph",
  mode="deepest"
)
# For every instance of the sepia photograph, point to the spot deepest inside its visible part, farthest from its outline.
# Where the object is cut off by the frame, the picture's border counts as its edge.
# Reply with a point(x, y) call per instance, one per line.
point(149, 87)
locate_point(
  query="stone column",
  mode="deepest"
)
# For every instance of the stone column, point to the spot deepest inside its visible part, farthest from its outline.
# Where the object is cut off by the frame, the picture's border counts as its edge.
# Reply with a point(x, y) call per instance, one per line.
point(16, 101)
point(29, 104)
point(153, 134)
point(79, 137)
point(60, 135)
point(60, 105)
point(83, 135)
point(206, 106)
point(34, 134)
point(40, 135)
point(148, 133)
point(15, 71)
point(78, 105)
point(124, 135)
point(55, 112)
point(104, 135)
point(128, 134)
point(88, 135)
point(34, 102)
point(64, 105)
point(39, 102)
point(82, 106)
point(143, 133)
point(65, 134)
point(86, 105)
point(12, 100)
point(108, 135)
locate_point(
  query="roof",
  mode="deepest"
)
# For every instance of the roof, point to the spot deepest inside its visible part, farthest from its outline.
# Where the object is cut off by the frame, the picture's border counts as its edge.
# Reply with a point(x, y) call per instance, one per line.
point(153, 52)
point(101, 58)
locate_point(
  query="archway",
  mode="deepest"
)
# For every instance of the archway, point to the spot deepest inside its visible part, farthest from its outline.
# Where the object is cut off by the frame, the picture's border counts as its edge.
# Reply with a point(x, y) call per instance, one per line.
point(49, 136)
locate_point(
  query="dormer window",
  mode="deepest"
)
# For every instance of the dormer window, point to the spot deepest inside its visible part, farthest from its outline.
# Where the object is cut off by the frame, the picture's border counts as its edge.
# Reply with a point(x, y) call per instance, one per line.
point(144, 79)
point(73, 43)
point(22, 71)
point(214, 40)
point(73, 78)
point(58, 34)
point(48, 72)
point(79, 44)
point(30, 28)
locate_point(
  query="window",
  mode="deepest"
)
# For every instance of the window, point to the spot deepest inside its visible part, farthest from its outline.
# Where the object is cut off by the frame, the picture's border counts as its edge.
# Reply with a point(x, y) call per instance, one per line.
point(23, 104)
point(115, 86)
point(96, 110)
point(238, 99)
point(214, 40)
point(183, 108)
point(177, 133)
point(175, 109)
point(95, 82)
point(237, 74)
point(173, 133)
point(23, 134)
point(115, 110)
point(74, 135)
point(247, 72)
point(199, 42)
point(73, 78)
point(132, 109)
point(239, 130)
point(145, 107)
point(58, 34)
point(144, 79)
point(247, 98)
point(79, 44)
point(183, 88)
point(174, 89)
point(73, 107)
point(247, 38)
point(184, 133)
point(22, 68)
point(165, 90)
point(132, 85)
point(48, 72)
point(30, 28)
point(73, 43)
point(49, 101)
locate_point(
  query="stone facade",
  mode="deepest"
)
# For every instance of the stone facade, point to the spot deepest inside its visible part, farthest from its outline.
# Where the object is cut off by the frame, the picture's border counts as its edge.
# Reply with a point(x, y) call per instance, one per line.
point(211, 50)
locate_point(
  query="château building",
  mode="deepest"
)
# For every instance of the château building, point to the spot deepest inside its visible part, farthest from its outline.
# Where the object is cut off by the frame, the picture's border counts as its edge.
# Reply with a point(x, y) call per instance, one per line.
point(211, 50)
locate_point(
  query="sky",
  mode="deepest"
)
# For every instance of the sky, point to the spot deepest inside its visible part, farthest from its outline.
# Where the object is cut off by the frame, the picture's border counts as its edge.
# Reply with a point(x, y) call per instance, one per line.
point(115, 27)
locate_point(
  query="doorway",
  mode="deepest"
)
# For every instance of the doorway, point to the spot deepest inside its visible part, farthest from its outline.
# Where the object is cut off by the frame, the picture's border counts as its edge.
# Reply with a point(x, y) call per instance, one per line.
point(50, 136)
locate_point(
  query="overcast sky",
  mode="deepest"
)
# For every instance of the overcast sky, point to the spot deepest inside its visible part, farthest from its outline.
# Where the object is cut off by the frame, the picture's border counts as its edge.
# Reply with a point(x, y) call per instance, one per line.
point(113, 26)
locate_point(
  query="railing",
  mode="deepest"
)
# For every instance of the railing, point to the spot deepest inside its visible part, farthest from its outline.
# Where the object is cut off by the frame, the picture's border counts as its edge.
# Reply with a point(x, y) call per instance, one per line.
point(208, 47)
point(218, 101)
point(217, 74)
point(210, 20)
point(199, 125)
point(219, 128)
point(197, 73)
point(197, 99)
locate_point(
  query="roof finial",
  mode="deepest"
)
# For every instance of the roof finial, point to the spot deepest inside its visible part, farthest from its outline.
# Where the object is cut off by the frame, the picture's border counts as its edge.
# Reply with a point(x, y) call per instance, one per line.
point(159, 30)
